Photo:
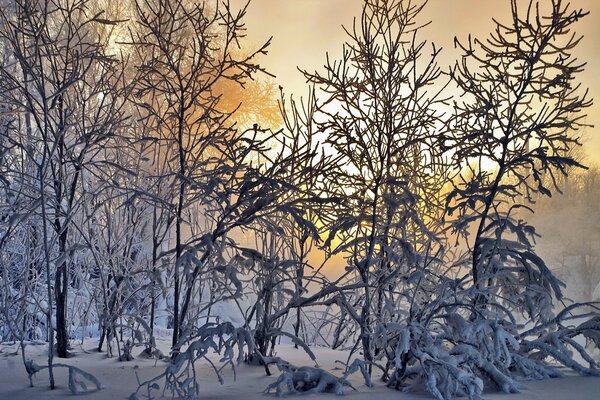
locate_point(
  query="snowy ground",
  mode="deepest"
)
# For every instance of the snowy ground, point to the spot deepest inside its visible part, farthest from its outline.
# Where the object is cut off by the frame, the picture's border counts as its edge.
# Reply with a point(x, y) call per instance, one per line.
point(119, 378)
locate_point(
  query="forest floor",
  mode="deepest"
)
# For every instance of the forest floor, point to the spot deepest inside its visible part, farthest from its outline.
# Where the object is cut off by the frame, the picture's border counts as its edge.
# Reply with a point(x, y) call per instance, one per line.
point(119, 378)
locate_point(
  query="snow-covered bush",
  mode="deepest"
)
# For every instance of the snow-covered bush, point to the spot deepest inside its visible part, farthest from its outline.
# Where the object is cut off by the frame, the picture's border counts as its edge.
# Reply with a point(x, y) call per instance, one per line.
point(179, 378)
point(78, 379)
point(305, 380)
point(308, 380)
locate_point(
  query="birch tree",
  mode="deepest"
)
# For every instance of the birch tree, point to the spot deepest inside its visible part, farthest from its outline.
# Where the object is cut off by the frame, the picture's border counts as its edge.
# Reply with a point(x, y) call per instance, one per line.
point(62, 84)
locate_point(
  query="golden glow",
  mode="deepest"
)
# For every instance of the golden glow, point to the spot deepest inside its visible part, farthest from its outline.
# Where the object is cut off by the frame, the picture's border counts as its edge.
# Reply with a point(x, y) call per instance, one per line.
point(303, 31)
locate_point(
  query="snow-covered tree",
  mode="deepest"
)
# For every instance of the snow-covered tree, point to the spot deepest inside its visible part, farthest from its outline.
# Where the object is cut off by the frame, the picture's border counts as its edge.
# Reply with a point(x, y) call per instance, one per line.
point(378, 114)
point(62, 86)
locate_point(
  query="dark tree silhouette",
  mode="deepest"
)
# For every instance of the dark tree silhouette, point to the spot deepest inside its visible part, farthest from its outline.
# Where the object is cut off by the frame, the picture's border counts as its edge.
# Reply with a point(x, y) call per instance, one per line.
point(378, 114)
point(522, 110)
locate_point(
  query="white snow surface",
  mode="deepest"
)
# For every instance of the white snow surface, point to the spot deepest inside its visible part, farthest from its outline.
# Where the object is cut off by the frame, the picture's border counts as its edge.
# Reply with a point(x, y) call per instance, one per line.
point(119, 378)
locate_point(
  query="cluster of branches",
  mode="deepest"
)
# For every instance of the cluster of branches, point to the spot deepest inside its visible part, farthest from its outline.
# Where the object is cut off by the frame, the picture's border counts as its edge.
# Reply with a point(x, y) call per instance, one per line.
point(140, 191)
point(127, 180)
point(442, 276)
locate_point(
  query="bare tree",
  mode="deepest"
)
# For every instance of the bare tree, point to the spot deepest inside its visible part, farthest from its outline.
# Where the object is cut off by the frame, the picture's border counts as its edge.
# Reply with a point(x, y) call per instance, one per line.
point(164, 189)
point(66, 112)
point(184, 51)
point(516, 127)
point(378, 114)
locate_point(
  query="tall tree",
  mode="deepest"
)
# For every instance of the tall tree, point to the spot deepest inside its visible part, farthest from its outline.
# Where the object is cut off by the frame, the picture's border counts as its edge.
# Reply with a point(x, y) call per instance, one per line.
point(512, 133)
point(185, 50)
point(62, 84)
point(378, 114)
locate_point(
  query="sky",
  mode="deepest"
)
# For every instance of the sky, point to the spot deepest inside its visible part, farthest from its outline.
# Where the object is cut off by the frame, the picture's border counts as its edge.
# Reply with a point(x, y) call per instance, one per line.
point(304, 31)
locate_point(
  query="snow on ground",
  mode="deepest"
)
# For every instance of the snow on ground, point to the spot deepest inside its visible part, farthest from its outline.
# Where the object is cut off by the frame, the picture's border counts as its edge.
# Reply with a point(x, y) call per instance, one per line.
point(119, 378)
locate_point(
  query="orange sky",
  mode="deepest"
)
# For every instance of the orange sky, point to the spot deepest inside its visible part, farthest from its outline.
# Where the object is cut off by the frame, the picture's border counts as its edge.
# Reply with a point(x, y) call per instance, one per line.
point(304, 30)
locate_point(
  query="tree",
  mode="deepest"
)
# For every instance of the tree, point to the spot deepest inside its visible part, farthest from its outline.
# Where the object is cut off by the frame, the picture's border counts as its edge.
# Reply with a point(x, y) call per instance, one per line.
point(66, 113)
point(144, 182)
point(522, 109)
point(184, 50)
point(278, 262)
point(378, 113)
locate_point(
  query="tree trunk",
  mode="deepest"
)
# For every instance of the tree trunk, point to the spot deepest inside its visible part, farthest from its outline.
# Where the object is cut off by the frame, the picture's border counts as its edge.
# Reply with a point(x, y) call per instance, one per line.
point(60, 292)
